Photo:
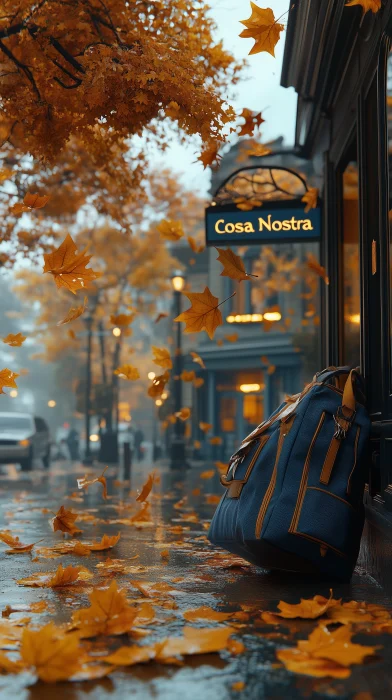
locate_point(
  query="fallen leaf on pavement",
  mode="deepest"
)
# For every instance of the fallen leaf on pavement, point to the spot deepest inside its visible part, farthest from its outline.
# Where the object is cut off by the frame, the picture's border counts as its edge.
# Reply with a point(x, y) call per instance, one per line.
point(308, 609)
point(14, 543)
point(335, 645)
point(195, 641)
point(206, 613)
point(51, 654)
point(62, 577)
point(109, 613)
point(107, 542)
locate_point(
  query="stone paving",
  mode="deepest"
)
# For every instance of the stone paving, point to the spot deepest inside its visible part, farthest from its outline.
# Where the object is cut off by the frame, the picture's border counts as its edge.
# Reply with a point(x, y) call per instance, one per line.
point(198, 575)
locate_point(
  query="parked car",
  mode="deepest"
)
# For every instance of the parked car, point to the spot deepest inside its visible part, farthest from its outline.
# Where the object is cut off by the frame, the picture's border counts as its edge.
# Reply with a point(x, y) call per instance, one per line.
point(24, 438)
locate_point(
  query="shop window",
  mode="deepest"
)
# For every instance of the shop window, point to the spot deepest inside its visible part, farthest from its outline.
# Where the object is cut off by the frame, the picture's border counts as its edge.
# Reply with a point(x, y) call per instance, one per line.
point(252, 410)
point(228, 408)
point(350, 266)
point(389, 145)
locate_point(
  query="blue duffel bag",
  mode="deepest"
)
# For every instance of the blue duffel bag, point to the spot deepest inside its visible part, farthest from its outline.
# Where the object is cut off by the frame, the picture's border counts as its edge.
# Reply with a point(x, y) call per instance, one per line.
point(294, 488)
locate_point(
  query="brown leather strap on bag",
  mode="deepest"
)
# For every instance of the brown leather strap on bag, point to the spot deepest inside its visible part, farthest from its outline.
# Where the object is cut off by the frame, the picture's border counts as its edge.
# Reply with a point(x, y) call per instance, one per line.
point(343, 420)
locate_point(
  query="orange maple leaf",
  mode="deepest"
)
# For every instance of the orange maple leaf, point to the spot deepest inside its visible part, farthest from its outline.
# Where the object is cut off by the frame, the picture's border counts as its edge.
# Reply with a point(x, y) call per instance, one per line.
point(7, 378)
point(208, 474)
point(263, 28)
point(188, 376)
point(206, 613)
point(203, 314)
point(252, 120)
point(196, 641)
point(107, 542)
point(170, 230)
point(109, 613)
point(308, 608)
point(74, 313)
point(183, 414)
point(127, 372)
point(233, 266)
point(64, 521)
point(162, 357)
point(335, 645)
point(210, 156)
point(217, 440)
point(69, 267)
point(30, 202)
point(158, 384)
point(232, 337)
point(15, 544)
point(15, 340)
point(51, 654)
point(61, 577)
point(367, 5)
point(205, 427)
point(84, 483)
point(310, 198)
point(198, 382)
point(146, 488)
point(196, 247)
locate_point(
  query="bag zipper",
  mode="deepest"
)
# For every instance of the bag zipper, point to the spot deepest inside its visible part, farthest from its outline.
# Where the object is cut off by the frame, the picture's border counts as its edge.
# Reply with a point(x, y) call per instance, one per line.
point(284, 430)
point(304, 478)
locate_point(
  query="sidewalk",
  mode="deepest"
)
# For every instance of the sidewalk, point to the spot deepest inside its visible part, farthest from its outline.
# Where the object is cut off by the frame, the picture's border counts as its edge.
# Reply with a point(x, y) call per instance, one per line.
point(172, 550)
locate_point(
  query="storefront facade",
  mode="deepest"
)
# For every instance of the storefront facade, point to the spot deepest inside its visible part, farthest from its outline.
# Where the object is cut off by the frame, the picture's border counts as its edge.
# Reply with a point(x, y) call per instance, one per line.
point(339, 61)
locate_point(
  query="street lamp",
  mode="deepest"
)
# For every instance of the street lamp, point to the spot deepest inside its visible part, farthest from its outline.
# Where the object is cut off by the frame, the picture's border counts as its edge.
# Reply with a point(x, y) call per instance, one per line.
point(88, 320)
point(177, 451)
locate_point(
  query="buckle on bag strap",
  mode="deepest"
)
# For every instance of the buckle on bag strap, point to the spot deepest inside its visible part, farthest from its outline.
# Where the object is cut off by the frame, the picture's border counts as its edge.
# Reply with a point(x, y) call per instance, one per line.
point(342, 422)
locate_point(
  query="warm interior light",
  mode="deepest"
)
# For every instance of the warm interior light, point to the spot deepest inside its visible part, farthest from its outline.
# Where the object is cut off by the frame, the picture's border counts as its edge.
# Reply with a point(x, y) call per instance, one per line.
point(164, 395)
point(13, 393)
point(355, 318)
point(178, 283)
point(151, 375)
point(51, 403)
point(272, 316)
point(247, 388)
point(244, 318)
point(116, 332)
point(158, 402)
point(94, 437)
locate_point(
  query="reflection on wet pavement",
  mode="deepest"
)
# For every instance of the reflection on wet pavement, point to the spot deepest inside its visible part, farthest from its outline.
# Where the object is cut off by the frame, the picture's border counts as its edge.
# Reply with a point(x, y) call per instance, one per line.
point(171, 548)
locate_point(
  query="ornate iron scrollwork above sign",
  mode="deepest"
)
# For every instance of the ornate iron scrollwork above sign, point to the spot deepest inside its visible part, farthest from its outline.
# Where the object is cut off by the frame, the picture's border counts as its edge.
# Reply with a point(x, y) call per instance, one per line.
point(261, 183)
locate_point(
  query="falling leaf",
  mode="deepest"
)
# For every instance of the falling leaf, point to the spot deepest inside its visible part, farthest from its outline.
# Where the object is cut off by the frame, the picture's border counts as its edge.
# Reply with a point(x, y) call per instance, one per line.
point(146, 488)
point(215, 440)
point(206, 613)
point(69, 268)
point(258, 150)
point(308, 608)
point(252, 120)
point(221, 467)
point(310, 198)
point(72, 334)
point(107, 542)
point(109, 613)
point(263, 28)
point(315, 266)
point(203, 313)
point(238, 685)
point(205, 427)
point(64, 521)
point(7, 378)
point(127, 372)
point(196, 358)
point(62, 577)
point(74, 313)
point(162, 357)
point(160, 316)
point(158, 385)
point(122, 320)
point(233, 266)
point(184, 414)
point(197, 444)
point(15, 340)
point(30, 202)
point(367, 5)
point(51, 654)
point(197, 248)
point(208, 474)
point(232, 338)
point(170, 230)
point(210, 156)
point(198, 382)
point(187, 376)
point(84, 483)
point(212, 499)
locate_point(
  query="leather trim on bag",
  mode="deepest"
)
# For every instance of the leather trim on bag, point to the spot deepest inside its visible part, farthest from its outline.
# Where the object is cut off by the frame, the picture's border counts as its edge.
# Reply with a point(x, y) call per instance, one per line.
point(235, 486)
point(329, 493)
point(304, 477)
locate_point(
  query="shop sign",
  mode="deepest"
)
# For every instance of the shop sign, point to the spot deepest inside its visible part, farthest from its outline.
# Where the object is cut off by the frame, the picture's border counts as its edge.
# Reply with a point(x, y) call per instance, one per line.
point(275, 222)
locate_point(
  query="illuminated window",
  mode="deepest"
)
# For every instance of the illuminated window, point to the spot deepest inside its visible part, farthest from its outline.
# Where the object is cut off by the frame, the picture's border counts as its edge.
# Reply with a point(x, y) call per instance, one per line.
point(350, 267)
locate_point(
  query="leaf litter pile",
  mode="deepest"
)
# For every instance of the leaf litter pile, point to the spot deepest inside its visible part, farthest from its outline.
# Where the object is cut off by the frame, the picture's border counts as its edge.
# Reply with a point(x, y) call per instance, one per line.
point(97, 610)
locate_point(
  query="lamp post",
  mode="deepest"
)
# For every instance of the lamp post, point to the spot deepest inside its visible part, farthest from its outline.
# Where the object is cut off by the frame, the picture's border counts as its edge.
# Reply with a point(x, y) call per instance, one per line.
point(88, 320)
point(177, 451)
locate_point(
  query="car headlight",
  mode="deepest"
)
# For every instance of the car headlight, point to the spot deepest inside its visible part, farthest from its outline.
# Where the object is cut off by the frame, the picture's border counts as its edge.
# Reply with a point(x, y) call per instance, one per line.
point(24, 443)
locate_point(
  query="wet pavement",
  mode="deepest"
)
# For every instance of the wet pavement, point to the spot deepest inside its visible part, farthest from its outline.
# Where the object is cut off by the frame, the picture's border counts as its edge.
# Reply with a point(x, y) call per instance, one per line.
point(196, 573)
